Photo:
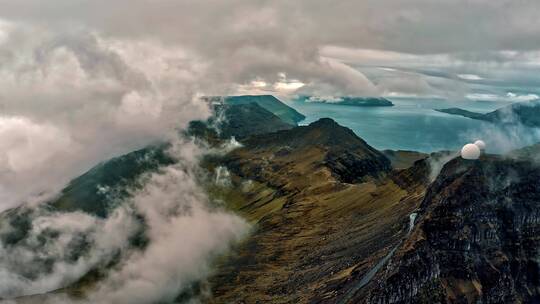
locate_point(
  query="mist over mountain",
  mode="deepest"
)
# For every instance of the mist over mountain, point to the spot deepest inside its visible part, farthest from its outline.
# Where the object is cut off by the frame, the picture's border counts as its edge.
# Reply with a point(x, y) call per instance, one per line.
point(267, 102)
point(242, 151)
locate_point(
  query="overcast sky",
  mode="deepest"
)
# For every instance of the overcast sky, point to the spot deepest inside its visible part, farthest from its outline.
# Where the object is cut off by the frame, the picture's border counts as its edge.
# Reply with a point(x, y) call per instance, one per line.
point(83, 80)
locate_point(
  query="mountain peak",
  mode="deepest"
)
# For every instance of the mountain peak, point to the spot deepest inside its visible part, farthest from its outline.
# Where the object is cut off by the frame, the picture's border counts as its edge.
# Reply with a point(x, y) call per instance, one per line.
point(346, 154)
point(323, 132)
point(325, 121)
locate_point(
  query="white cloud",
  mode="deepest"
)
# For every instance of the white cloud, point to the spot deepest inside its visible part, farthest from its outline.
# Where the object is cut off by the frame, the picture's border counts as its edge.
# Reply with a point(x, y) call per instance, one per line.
point(5, 29)
point(184, 228)
point(288, 86)
point(40, 262)
point(469, 77)
point(25, 144)
point(184, 231)
point(72, 99)
point(509, 97)
point(324, 99)
point(520, 98)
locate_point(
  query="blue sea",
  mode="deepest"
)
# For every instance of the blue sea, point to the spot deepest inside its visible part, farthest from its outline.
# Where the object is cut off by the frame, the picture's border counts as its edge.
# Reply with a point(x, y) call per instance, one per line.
point(413, 124)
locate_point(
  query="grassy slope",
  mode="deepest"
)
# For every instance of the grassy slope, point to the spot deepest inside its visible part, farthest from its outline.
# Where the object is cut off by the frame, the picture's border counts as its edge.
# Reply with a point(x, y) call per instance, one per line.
point(313, 235)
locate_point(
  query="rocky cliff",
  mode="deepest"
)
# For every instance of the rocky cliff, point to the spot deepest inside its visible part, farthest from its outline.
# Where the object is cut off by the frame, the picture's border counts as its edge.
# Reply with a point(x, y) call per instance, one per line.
point(476, 239)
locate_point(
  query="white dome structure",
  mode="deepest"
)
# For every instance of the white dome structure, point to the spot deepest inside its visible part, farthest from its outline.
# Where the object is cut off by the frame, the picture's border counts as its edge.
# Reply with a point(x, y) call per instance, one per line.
point(480, 144)
point(470, 151)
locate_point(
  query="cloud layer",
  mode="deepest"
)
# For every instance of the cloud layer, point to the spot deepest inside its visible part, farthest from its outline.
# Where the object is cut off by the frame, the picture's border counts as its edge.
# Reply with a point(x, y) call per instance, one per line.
point(183, 228)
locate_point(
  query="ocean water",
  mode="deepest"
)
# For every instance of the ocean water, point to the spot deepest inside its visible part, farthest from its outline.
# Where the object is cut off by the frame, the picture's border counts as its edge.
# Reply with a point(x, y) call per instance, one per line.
point(412, 124)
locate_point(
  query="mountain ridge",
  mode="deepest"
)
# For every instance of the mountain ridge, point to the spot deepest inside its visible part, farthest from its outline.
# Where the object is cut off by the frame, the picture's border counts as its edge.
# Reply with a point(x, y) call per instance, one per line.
point(269, 102)
point(526, 113)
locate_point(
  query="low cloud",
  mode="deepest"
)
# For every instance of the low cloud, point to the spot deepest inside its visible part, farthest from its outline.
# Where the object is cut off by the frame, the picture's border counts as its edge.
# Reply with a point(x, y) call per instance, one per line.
point(502, 139)
point(185, 231)
point(438, 160)
point(59, 249)
point(28, 151)
point(471, 77)
point(509, 97)
point(72, 99)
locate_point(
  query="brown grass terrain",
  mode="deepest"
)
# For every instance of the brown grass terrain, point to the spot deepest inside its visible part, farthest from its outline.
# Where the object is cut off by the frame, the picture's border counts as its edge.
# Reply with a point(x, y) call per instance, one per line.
point(313, 236)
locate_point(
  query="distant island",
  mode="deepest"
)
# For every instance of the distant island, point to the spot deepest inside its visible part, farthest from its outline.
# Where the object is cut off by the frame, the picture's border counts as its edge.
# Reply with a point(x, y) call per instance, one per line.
point(525, 113)
point(349, 101)
point(462, 112)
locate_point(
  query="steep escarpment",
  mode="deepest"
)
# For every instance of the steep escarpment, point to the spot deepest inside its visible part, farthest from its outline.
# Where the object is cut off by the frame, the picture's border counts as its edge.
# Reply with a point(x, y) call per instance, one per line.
point(476, 240)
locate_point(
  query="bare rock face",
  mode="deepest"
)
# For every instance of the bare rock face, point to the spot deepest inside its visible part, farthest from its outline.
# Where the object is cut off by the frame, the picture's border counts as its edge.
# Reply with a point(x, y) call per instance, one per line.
point(476, 241)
